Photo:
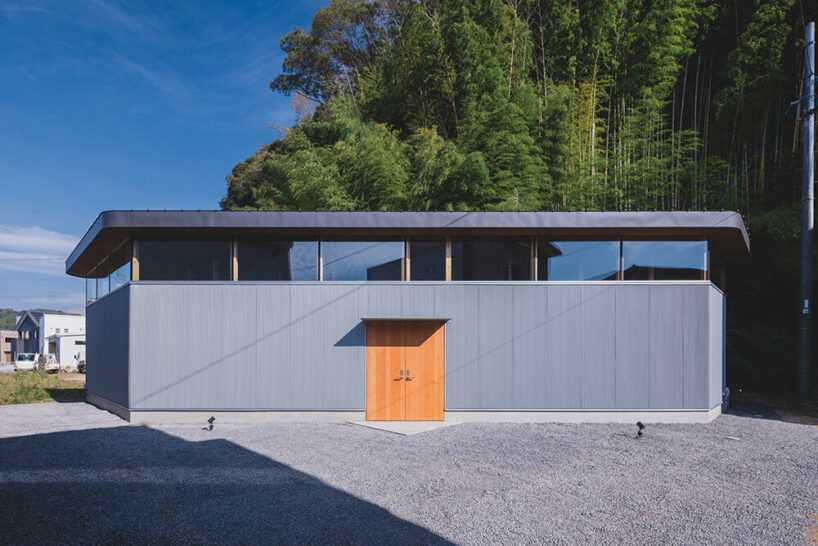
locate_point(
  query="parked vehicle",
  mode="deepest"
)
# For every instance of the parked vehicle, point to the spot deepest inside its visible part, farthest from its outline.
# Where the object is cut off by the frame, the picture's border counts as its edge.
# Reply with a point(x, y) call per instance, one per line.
point(26, 361)
point(48, 363)
point(76, 365)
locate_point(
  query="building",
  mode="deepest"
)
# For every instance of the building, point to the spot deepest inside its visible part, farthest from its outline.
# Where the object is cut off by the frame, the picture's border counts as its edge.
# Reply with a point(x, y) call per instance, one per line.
point(526, 316)
point(8, 339)
point(35, 328)
point(68, 349)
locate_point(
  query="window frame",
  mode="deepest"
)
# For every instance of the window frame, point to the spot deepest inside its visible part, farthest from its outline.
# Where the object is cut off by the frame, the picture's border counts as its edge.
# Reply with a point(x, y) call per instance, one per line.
point(668, 239)
point(363, 239)
point(236, 268)
point(531, 242)
point(138, 253)
point(577, 239)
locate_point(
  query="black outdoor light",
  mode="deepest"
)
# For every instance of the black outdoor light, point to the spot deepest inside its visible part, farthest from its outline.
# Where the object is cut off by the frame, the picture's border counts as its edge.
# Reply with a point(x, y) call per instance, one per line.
point(212, 419)
point(639, 424)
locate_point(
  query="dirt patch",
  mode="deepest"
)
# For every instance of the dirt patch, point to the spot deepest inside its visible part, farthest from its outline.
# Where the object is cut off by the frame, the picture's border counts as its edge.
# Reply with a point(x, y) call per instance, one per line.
point(811, 531)
point(72, 377)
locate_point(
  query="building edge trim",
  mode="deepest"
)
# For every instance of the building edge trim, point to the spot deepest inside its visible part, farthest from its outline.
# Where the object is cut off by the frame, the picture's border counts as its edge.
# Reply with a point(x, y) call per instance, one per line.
point(165, 417)
point(242, 417)
point(107, 405)
point(586, 416)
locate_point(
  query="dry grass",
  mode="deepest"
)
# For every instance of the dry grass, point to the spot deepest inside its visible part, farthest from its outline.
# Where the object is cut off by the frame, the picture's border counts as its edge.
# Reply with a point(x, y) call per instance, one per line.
point(23, 387)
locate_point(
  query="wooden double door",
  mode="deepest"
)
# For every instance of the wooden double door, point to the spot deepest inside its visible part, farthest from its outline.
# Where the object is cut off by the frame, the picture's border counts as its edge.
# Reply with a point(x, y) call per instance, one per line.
point(404, 370)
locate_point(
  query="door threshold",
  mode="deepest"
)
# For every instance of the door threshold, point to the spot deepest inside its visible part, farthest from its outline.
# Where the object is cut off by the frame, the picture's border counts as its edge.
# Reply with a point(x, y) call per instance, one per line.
point(405, 428)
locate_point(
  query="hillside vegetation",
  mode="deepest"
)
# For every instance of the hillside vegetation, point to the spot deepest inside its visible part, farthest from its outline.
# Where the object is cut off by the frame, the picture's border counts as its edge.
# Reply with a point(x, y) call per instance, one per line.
point(8, 317)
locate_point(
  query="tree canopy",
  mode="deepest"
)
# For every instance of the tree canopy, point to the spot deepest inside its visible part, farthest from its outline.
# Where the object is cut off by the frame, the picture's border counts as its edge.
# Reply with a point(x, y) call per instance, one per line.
point(533, 105)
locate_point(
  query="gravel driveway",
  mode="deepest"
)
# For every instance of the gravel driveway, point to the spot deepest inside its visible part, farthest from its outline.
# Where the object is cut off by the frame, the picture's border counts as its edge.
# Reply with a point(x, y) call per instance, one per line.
point(73, 473)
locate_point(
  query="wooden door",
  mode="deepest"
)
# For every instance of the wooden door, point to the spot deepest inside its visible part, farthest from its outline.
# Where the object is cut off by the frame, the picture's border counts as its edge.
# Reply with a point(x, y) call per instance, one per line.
point(424, 371)
point(385, 355)
point(404, 370)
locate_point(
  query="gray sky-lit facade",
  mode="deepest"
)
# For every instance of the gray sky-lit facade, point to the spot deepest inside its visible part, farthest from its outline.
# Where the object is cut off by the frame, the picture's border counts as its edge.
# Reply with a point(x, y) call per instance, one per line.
point(601, 314)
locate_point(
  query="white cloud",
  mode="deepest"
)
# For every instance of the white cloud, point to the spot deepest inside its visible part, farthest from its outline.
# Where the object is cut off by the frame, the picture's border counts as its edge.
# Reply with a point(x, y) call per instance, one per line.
point(34, 250)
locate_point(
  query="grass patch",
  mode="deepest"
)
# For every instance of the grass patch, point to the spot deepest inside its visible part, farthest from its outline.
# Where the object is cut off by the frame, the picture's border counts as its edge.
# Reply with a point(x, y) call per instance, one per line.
point(22, 387)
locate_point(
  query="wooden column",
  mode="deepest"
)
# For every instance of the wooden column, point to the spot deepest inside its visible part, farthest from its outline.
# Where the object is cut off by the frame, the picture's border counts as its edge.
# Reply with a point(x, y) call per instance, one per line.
point(533, 258)
point(448, 258)
point(406, 269)
point(320, 262)
point(134, 261)
point(235, 259)
point(706, 270)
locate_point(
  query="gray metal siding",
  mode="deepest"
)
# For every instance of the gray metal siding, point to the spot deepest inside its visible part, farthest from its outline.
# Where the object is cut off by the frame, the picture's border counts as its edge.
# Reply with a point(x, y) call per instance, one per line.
point(526, 346)
point(107, 346)
point(717, 346)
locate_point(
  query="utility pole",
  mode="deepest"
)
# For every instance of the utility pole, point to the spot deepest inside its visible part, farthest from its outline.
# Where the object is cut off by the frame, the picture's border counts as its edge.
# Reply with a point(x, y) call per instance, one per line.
point(804, 387)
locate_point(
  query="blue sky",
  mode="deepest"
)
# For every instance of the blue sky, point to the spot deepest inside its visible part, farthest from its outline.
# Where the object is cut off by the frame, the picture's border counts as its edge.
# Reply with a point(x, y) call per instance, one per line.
point(124, 105)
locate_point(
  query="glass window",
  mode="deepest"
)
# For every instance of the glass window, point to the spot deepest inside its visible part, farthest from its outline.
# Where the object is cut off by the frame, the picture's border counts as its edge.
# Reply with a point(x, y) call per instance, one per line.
point(120, 266)
point(103, 284)
point(362, 260)
point(90, 288)
point(664, 260)
point(277, 260)
point(427, 260)
point(498, 259)
point(121, 276)
point(577, 260)
point(184, 260)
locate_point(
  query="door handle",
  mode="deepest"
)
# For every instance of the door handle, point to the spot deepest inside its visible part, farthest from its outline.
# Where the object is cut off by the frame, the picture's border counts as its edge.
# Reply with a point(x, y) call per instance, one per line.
point(401, 376)
point(408, 375)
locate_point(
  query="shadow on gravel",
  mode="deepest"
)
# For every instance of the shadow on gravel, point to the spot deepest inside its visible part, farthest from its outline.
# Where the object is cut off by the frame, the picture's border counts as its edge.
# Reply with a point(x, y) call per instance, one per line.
point(67, 395)
point(787, 413)
point(135, 484)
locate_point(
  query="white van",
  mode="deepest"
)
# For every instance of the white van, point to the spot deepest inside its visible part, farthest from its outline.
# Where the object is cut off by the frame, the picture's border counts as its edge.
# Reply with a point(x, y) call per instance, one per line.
point(26, 361)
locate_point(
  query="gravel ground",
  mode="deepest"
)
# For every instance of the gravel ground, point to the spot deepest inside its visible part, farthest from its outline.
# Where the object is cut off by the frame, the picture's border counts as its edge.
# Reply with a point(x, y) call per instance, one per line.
point(73, 473)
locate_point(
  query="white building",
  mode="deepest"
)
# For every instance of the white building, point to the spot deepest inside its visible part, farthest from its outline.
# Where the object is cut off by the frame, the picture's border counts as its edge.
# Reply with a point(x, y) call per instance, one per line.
point(69, 349)
point(34, 330)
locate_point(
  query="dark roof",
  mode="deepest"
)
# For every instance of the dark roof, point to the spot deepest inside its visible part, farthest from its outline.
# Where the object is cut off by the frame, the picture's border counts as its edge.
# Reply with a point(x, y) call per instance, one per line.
point(22, 319)
point(111, 228)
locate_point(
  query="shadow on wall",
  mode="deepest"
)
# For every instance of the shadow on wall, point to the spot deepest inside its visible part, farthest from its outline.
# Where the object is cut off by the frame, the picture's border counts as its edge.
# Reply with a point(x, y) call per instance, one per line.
point(135, 484)
point(356, 337)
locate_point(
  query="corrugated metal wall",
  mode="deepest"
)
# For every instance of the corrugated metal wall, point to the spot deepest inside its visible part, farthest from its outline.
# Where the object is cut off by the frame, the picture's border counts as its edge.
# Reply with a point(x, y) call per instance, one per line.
point(107, 347)
point(718, 347)
point(508, 346)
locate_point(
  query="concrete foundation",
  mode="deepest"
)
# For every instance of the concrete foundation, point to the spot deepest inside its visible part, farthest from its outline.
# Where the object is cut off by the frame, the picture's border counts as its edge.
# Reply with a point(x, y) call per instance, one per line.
point(359, 417)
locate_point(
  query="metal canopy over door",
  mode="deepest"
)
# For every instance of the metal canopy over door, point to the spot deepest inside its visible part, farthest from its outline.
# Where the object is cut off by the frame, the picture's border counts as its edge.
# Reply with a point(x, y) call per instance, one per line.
point(404, 370)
